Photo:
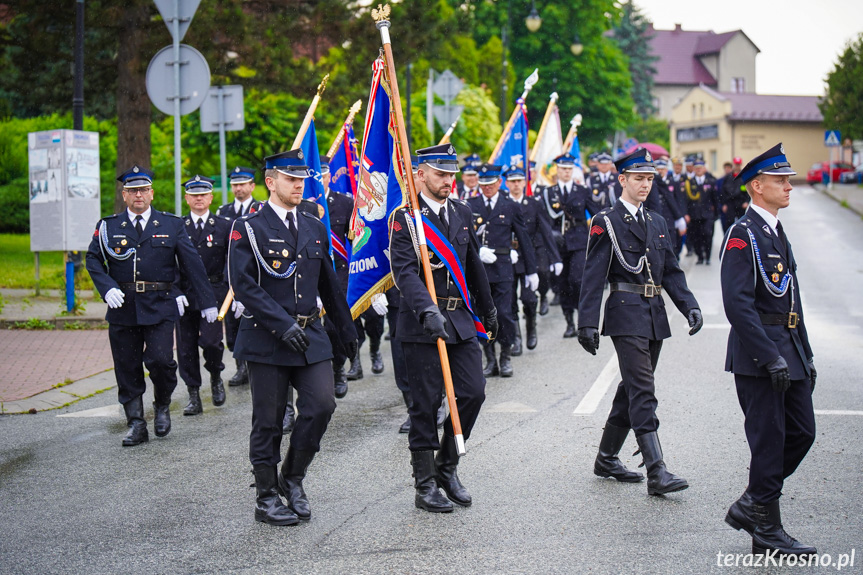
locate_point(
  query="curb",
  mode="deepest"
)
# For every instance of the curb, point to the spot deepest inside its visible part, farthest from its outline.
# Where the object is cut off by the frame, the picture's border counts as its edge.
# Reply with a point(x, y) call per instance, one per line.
point(58, 397)
point(60, 323)
point(832, 194)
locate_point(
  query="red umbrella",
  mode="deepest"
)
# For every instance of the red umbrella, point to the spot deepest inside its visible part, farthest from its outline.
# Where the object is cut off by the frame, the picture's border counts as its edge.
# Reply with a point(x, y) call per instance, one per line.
point(655, 149)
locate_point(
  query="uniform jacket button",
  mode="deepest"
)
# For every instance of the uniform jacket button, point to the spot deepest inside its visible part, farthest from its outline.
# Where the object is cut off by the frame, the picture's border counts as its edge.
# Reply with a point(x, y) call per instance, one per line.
point(301, 296)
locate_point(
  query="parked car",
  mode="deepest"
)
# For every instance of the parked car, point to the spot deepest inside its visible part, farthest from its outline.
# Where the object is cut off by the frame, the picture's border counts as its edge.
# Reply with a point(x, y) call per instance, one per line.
point(815, 175)
point(855, 177)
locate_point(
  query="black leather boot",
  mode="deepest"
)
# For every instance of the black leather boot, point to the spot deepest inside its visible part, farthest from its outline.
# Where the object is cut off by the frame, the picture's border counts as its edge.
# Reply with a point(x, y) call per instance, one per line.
point(607, 463)
point(377, 358)
point(294, 469)
point(530, 328)
point(194, 406)
point(340, 380)
point(428, 495)
point(570, 325)
point(137, 433)
point(741, 514)
point(218, 388)
point(288, 421)
point(505, 362)
point(543, 305)
point(162, 418)
point(356, 370)
point(446, 477)
point(242, 375)
point(769, 533)
point(515, 349)
point(491, 368)
point(659, 480)
point(268, 506)
point(406, 426)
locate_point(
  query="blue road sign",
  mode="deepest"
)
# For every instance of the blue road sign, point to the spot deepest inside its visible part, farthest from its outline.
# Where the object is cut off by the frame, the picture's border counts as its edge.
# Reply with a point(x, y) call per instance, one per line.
point(832, 138)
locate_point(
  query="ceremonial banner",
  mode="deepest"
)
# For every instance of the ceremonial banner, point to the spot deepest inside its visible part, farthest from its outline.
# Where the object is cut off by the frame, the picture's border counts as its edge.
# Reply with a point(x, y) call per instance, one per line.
point(314, 186)
point(345, 164)
point(549, 143)
point(513, 149)
point(380, 191)
point(578, 171)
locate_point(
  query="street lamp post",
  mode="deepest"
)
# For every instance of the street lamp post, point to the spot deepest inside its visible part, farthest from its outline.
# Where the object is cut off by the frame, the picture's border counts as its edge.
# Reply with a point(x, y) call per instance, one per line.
point(533, 23)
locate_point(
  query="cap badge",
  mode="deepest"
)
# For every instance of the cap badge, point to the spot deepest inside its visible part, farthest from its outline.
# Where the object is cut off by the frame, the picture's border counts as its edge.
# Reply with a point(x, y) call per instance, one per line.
point(450, 150)
point(135, 169)
point(197, 178)
point(300, 154)
point(647, 157)
point(782, 148)
point(237, 170)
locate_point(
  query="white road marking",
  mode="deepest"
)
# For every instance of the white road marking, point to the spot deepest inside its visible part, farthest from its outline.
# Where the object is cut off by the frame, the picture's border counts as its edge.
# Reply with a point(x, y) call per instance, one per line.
point(609, 374)
point(107, 411)
point(837, 412)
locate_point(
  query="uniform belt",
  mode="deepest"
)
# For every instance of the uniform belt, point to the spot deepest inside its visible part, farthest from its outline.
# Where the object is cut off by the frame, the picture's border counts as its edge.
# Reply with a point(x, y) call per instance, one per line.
point(789, 319)
point(147, 286)
point(567, 223)
point(217, 279)
point(450, 303)
point(307, 320)
point(502, 251)
point(647, 290)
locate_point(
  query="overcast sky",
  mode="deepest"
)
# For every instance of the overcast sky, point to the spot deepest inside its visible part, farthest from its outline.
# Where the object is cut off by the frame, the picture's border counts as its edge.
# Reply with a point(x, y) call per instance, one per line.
point(800, 40)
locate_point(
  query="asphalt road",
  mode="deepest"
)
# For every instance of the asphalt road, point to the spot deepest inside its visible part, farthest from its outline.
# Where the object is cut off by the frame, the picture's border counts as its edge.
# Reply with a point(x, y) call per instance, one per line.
point(75, 501)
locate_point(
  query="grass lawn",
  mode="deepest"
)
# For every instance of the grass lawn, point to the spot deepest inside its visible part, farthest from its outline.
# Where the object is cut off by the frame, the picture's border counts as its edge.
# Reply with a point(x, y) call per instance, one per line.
point(18, 265)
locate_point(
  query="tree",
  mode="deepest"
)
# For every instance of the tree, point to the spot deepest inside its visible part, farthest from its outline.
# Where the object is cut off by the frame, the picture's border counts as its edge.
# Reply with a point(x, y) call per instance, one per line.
point(633, 34)
point(842, 105)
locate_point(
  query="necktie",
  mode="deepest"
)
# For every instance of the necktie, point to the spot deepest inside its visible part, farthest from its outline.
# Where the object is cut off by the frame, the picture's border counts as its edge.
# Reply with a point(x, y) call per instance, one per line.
point(200, 225)
point(488, 205)
point(640, 217)
point(138, 227)
point(292, 226)
point(443, 220)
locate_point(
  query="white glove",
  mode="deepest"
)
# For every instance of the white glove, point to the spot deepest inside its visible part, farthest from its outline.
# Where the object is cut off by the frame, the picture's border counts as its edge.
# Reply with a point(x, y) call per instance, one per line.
point(319, 302)
point(486, 255)
point(680, 224)
point(237, 308)
point(115, 298)
point(531, 282)
point(557, 268)
point(210, 314)
point(379, 303)
point(513, 255)
point(182, 303)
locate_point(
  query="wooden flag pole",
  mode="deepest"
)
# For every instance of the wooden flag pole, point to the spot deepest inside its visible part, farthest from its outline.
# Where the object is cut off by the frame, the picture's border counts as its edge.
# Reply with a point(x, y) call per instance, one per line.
point(381, 17)
point(528, 86)
point(449, 131)
point(573, 132)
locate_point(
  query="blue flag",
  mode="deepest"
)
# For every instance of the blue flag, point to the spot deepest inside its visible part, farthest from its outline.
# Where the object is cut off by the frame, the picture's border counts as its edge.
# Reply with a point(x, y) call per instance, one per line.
point(314, 186)
point(380, 191)
point(514, 150)
point(575, 150)
point(345, 164)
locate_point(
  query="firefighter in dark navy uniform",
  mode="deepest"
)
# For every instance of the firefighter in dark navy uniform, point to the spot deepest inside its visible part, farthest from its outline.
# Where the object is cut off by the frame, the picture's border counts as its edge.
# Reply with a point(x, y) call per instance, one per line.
point(702, 210)
point(631, 248)
point(134, 259)
point(538, 227)
point(768, 351)
point(279, 267)
point(663, 200)
point(242, 186)
point(603, 185)
point(209, 235)
point(468, 187)
point(498, 221)
point(422, 321)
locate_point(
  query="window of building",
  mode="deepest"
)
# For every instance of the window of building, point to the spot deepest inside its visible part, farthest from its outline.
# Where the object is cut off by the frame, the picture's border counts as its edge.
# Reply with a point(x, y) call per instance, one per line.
point(701, 110)
point(694, 112)
point(738, 85)
point(713, 163)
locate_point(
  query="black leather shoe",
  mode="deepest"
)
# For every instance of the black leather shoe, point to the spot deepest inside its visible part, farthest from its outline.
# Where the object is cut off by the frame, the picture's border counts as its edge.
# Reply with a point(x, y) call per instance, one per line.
point(570, 325)
point(741, 514)
point(607, 463)
point(543, 305)
point(769, 533)
point(162, 419)
point(491, 369)
point(268, 506)
point(291, 481)
point(242, 375)
point(516, 348)
point(194, 406)
point(377, 358)
point(446, 477)
point(530, 328)
point(218, 388)
point(340, 380)
point(659, 480)
point(137, 433)
point(428, 495)
point(356, 370)
point(505, 363)
point(288, 421)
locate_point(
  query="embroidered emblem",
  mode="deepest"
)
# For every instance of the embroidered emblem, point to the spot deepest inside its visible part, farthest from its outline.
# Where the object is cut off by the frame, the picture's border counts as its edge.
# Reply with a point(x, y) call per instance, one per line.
point(276, 264)
point(156, 223)
point(212, 221)
point(596, 230)
point(766, 229)
point(775, 277)
point(123, 225)
point(397, 227)
point(735, 243)
point(96, 234)
point(188, 222)
point(235, 235)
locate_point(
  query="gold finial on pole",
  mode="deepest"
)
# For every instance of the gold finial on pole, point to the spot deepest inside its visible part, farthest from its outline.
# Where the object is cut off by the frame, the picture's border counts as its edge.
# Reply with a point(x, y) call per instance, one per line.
point(381, 13)
point(323, 85)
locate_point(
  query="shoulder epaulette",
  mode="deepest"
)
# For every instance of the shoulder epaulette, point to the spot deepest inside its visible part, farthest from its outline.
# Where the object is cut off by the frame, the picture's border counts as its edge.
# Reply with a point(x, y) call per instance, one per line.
point(112, 216)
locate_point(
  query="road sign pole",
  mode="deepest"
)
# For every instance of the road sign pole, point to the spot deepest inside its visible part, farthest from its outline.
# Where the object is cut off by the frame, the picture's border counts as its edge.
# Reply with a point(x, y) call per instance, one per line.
point(222, 147)
point(177, 157)
point(830, 171)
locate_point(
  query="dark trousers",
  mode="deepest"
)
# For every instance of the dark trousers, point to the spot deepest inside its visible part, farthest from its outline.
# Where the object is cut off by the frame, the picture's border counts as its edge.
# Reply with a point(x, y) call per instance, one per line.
point(528, 298)
point(193, 331)
point(339, 353)
point(700, 233)
point(501, 294)
point(316, 402)
point(152, 345)
point(426, 386)
point(780, 429)
point(634, 404)
point(371, 324)
point(545, 279)
point(232, 326)
point(570, 279)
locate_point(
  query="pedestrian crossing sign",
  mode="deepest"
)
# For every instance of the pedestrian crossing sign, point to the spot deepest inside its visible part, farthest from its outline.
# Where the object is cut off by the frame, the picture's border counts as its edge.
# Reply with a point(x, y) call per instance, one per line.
point(832, 138)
